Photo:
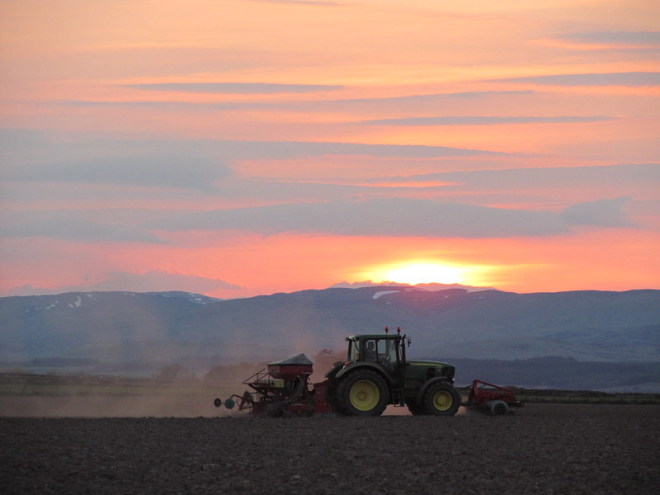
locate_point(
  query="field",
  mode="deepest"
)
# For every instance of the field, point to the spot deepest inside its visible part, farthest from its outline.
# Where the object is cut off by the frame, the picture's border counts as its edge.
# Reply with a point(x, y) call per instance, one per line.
point(32, 395)
point(68, 434)
point(544, 448)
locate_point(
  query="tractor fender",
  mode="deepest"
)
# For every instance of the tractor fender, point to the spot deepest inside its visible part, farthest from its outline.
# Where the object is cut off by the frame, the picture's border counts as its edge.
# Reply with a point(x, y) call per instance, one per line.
point(425, 386)
point(361, 366)
point(336, 368)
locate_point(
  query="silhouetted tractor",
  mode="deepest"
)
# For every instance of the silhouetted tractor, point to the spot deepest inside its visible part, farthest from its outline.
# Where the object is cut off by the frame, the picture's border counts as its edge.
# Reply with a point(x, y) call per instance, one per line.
point(375, 374)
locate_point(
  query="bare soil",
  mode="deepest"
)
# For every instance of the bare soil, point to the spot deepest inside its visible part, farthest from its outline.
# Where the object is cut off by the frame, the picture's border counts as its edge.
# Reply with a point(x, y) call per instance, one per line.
point(544, 448)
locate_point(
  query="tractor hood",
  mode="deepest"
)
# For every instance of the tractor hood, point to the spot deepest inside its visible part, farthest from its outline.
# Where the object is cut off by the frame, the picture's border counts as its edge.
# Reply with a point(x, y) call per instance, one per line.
point(428, 362)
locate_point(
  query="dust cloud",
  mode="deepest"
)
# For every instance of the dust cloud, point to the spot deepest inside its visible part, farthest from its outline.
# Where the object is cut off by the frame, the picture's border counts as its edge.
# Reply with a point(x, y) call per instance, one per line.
point(109, 407)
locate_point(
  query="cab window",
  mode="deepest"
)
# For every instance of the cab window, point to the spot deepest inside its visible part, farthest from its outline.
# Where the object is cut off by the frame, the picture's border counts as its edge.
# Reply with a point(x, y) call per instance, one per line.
point(387, 350)
point(353, 351)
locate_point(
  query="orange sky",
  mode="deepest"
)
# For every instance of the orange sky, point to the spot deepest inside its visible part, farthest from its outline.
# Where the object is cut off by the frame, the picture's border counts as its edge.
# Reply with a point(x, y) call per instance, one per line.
point(236, 148)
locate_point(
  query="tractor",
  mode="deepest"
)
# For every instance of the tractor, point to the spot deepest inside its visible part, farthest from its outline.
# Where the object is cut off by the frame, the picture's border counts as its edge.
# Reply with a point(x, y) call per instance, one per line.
point(375, 374)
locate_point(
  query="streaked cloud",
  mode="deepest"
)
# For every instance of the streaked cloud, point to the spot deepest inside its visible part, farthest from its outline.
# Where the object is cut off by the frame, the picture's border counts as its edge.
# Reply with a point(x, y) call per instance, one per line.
point(633, 79)
point(486, 120)
point(150, 281)
point(155, 169)
point(380, 206)
point(77, 229)
point(405, 102)
point(292, 149)
point(396, 217)
point(180, 105)
point(609, 176)
point(625, 38)
point(235, 88)
point(413, 99)
point(157, 280)
point(601, 213)
point(193, 163)
point(308, 3)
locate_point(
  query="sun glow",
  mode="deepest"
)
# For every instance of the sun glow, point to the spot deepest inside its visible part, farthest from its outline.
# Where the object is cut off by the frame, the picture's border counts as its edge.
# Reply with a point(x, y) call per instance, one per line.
point(423, 273)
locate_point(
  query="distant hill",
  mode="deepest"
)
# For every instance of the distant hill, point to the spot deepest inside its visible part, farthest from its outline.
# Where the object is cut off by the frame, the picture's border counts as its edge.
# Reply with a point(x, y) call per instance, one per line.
point(446, 324)
point(433, 286)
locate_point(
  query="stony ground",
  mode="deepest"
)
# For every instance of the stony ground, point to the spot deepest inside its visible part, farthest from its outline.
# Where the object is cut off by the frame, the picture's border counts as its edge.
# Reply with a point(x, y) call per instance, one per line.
point(543, 449)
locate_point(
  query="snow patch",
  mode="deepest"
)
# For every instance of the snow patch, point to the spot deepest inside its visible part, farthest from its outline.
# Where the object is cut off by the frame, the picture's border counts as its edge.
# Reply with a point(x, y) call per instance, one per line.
point(384, 293)
point(77, 303)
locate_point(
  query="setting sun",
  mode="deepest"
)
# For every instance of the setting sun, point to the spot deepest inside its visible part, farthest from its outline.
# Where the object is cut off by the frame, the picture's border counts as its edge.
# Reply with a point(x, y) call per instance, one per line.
point(423, 273)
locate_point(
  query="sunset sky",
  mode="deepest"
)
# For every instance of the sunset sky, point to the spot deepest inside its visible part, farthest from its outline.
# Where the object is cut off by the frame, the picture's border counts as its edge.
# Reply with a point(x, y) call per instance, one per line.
point(244, 147)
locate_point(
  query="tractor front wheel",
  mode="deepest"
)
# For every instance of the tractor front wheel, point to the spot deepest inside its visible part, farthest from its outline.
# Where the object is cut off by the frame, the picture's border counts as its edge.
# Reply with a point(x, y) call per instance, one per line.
point(363, 393)
point(441, 399)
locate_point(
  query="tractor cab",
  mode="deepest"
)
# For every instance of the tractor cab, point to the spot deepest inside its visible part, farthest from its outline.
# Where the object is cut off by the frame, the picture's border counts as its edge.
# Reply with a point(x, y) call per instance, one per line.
point(387, 350)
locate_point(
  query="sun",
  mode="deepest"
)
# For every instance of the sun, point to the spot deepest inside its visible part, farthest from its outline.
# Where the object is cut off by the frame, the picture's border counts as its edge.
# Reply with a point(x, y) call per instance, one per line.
point(423, 273)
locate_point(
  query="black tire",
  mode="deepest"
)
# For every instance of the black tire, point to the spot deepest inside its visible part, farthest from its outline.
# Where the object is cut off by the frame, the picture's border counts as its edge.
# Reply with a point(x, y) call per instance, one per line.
point(498, 408)
point(362, 393)
point(441, 399)
point(415, 410)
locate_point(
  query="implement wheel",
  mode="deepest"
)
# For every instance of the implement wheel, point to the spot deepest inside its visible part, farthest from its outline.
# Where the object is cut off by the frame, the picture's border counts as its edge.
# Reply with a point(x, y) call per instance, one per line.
point(498, 408)
point(441, 399)
point(363, 393)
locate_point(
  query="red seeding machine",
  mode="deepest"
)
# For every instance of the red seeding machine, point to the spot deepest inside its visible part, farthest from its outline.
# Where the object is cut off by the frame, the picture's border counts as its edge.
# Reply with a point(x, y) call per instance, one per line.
point(283, 388)
point(375, 374)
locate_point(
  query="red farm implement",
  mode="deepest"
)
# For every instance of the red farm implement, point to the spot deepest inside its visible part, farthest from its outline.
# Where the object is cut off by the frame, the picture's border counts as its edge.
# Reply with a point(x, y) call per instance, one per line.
point(282, 388)
point(492, 398)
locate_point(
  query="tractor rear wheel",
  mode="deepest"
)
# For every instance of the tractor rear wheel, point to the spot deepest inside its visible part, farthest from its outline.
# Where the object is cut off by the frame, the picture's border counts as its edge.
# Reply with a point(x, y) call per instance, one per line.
point(441, 399)
point(363, 393)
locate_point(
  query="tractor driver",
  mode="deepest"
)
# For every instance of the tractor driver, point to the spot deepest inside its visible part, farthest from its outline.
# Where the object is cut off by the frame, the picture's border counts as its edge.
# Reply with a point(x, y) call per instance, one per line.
point(370, 352)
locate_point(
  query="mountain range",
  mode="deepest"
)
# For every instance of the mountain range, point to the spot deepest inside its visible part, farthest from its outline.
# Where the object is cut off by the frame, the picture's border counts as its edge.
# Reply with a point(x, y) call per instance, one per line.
point(111, 328)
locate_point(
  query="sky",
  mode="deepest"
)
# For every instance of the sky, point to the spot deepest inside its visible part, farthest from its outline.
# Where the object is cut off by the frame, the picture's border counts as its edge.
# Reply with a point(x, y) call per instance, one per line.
point(245, 147)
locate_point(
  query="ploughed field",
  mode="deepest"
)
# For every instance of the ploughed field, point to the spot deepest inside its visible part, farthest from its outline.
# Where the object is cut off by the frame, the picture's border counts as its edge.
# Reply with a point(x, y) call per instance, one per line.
point(544, 448)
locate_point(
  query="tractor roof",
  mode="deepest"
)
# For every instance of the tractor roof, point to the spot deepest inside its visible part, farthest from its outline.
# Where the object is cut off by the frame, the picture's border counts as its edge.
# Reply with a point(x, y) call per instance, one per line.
point(369, 336)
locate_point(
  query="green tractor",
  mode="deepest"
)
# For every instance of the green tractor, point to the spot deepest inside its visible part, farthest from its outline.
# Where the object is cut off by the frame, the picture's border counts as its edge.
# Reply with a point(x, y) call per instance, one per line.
point(376, 373)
